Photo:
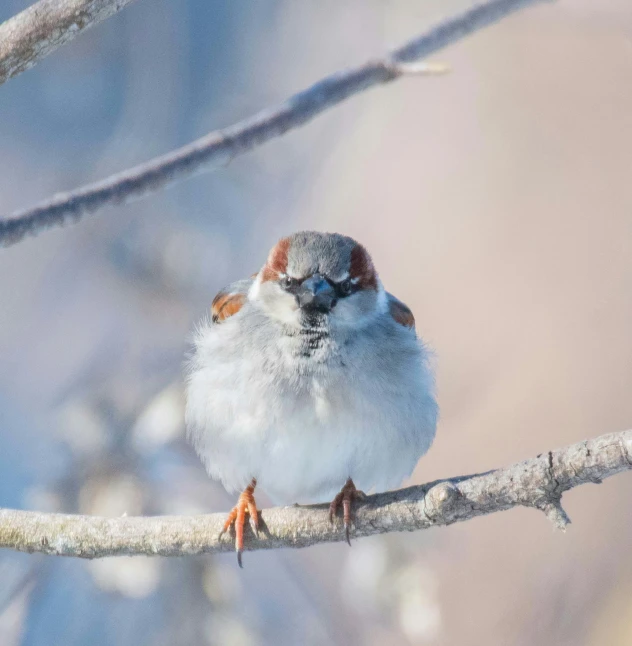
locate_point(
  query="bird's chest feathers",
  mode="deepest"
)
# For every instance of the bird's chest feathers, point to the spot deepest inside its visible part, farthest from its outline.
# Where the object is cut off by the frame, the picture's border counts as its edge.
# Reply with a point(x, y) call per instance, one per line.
point(319, 402)
point(305, 380)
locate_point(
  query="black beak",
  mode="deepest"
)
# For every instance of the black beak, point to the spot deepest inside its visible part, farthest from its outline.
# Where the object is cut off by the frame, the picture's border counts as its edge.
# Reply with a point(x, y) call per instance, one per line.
point(316, 294)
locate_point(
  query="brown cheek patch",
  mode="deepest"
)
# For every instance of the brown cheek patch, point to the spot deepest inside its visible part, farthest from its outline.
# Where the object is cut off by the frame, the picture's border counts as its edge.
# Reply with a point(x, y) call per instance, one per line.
point(277, 261)
point(402, 314)
point(362, 268)
point(225, 305)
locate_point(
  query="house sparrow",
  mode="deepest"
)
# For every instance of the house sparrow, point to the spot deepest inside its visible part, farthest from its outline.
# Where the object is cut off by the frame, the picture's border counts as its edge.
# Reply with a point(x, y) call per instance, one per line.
point(309, 377)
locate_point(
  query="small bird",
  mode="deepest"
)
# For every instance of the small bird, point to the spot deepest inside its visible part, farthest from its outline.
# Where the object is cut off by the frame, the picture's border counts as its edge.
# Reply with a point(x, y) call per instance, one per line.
point(309, 381)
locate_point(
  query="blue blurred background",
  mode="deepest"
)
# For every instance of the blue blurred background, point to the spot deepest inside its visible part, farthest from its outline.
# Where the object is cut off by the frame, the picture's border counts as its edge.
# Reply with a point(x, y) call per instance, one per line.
point(496, 201)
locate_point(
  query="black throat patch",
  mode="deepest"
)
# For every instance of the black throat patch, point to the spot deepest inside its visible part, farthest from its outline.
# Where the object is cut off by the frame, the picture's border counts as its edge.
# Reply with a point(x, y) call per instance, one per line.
point(313, 334)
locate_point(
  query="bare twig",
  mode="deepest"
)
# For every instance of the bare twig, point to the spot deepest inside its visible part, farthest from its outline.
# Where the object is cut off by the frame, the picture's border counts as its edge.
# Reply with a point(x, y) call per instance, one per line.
point(40, 29)
point(219, 147)
point(537, 483)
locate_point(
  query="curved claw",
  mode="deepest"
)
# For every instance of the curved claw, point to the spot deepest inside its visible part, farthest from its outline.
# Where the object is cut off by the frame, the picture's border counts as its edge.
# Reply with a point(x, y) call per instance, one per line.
point(245, 505)
point(346, 516)
point(347, 495)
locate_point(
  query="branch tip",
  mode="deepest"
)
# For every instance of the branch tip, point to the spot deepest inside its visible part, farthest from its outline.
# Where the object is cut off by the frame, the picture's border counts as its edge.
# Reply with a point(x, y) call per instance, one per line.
point(554, 511)
point(419, 69)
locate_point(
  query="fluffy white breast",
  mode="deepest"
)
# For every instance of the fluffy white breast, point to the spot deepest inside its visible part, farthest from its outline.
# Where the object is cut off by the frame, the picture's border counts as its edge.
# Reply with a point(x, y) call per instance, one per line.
point(303, 411)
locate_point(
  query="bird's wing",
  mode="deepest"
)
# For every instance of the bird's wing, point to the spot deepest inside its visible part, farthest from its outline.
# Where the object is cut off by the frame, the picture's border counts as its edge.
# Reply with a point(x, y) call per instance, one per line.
point(230, 300)
point(400, 312)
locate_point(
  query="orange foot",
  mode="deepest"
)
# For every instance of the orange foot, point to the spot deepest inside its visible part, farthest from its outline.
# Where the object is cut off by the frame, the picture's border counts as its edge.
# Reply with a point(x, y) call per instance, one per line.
point(245, 504)
point(347, 495)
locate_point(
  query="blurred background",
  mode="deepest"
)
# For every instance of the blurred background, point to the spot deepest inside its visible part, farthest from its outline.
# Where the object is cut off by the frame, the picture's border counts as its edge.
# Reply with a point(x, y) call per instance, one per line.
point(496, 202)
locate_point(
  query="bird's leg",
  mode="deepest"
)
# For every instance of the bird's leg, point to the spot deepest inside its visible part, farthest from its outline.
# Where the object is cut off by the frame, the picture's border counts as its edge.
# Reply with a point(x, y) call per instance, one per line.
point(245, 505)
point(347, 495)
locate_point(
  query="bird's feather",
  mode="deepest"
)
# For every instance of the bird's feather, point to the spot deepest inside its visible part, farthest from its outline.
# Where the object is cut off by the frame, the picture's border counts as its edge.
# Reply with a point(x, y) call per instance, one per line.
point(230, 300)
point(401, 312)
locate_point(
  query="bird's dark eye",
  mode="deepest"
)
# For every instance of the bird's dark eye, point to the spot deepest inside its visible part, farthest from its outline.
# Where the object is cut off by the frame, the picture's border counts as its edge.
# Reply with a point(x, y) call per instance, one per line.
point(287, 282)
point(345, 287)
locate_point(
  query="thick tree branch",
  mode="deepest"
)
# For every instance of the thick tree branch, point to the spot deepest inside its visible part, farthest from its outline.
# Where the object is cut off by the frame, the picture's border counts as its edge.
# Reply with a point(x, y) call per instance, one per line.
point(43, 27)
point(537, 483)
point(219, 147)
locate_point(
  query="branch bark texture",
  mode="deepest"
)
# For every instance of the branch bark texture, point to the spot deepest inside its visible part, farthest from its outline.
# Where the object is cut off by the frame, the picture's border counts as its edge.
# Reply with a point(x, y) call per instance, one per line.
point(43, 27)
point(538, 483)
point(219, 147)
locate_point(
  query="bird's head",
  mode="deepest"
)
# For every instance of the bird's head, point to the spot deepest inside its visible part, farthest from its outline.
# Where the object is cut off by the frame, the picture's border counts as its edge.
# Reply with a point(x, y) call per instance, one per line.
point(311, 279)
